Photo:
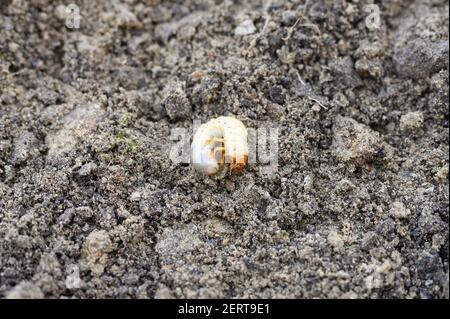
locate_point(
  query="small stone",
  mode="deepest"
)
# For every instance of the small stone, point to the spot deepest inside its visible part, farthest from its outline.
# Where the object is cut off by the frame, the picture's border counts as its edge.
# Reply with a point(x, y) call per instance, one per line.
point(163, 292)
point(419, 58)
point(230, 186)
point(84, 212)
point(246, 27)
point(95, 251)
point(344, 72)
point(176, 102)
point(135, 196)
point(13, 47)
point(343, 47)
point(197, 75)
point(66, 217)
point(6, 23)
point(207, 90)
point(73, 280)
point(370, 239)
point(125, 17)
point(316, 108)
point(25, 290)
point(60, 12)
point(49, 264)
point(411, 121)
point(276, 94)
point(358, 143)
point(286, 56)
point(87, 169)
point(304, 55)
point(25, 147)
point(308, 182)
point(146, 103)
point(77, 125)
point(368, 49)
point(430, 222)
point(335, 240)
point(442, 174)
point(340, 99)
point(398, 210)
point(366, 67)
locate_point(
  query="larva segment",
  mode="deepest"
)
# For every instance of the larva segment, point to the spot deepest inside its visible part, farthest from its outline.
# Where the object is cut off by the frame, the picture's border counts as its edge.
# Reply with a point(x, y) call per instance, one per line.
point(203, 149)
point(220, 141)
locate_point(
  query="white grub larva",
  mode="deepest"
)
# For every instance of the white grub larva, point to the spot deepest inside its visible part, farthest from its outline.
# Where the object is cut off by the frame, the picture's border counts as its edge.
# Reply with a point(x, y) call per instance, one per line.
point(217, 142)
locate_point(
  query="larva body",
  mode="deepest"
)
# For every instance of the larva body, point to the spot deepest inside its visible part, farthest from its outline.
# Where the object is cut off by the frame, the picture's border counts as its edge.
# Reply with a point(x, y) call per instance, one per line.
point(217, 142)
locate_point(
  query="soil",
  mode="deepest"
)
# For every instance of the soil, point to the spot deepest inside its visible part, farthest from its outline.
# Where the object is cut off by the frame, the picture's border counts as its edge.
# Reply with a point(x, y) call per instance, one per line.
point(91, 206)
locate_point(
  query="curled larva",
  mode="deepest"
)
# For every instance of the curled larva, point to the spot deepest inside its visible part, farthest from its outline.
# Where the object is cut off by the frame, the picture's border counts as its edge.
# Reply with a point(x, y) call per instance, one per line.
point(217, 142)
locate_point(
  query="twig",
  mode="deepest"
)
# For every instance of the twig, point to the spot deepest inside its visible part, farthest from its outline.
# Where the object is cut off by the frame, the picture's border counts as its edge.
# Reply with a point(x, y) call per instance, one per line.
point(291, 30)
point(307, 25)
point(310, 96)
point(266, 23)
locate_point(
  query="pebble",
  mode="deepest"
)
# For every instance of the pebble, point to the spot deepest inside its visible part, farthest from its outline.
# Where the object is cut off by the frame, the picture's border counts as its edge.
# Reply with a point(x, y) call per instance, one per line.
point(245, 28)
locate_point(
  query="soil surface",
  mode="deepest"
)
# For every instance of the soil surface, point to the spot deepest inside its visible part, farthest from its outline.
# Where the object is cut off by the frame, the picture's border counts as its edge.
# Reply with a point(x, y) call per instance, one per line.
point(92, 206)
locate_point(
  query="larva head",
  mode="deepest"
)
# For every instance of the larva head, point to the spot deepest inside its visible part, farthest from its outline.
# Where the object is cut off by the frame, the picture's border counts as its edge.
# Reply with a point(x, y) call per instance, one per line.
point(207, 154)
point(204, 161)
point(239, 164)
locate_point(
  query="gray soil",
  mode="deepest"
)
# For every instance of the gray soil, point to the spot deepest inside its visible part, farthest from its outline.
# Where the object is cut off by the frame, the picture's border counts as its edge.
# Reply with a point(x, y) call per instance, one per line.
point(91, 205)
